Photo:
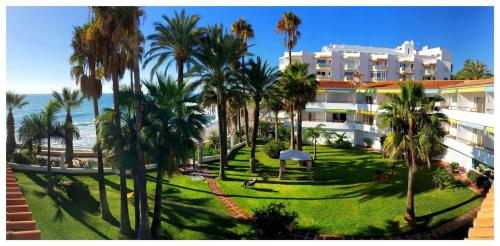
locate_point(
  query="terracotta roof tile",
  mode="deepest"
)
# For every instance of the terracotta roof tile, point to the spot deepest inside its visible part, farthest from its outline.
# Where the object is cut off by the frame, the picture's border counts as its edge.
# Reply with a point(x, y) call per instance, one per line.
point(336, 84)
point(467, 83)
point(428, 84)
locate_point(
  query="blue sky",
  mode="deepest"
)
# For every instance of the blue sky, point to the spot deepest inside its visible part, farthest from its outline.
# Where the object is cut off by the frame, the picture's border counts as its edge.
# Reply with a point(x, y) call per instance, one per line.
point(38, 38)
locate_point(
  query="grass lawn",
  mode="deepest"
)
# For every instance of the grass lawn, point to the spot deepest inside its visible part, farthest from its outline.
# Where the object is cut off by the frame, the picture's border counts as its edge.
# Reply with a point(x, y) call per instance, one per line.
point(190, 211)
point(344, 198)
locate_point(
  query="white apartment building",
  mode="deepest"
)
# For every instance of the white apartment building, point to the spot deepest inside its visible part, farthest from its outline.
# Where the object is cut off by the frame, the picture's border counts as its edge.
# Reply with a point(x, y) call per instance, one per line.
point(352, 108)
point(371, 64)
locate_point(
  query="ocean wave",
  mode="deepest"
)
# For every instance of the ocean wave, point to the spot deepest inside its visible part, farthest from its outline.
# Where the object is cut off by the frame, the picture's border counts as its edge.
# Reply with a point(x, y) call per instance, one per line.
point(84, 123)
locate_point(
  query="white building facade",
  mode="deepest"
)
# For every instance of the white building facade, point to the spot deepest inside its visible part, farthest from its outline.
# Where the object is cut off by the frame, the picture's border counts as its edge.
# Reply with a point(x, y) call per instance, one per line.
point(371, 64)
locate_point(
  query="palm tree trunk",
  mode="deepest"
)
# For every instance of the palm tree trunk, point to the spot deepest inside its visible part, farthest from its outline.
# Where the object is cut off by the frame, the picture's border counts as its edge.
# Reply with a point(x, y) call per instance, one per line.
point(254, 135)
point(143, 231)
point(410, 203)
point(137, 210)
point(49, 168)
point(292, 134)
point(247, 136)
point(289, 56)
point(156, 224)
point(314, 149)
point(180, 73)
point(105, 212)
point(221, 108)
point(276, 126)
point(299, 128)
point(69, 140)
point(239, 119)
point(124, 216)
point(11, 139)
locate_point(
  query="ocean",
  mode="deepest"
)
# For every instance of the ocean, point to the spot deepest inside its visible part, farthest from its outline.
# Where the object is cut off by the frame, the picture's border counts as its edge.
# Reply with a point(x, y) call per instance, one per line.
point(83, 117)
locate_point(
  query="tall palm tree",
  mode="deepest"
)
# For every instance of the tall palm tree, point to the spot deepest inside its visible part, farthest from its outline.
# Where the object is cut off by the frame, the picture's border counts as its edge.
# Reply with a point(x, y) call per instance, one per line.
point(87, 73)
point(172, 113)
point(109, 30)
point(288, 25)
point(274, 105)
point(474, 70)
point(218, 52)
point(68, 100)
point(243, 30)
point(178, 38)
point(260, 80)
point(14, 101)
point(415, 128)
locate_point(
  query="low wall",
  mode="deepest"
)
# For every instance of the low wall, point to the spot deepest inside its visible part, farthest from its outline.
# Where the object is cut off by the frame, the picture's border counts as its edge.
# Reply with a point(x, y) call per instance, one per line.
point(230, 152)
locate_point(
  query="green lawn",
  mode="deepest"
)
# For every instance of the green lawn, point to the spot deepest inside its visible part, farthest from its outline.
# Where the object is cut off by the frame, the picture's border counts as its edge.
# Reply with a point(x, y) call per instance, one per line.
point(190, 211)
point(344, 198)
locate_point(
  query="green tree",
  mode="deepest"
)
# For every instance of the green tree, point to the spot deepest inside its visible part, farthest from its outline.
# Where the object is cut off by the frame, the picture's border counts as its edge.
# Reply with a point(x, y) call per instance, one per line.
point(288, 25)
point(274, 105)
point(68, 100)
point(259, 80)
point(14, 101)
point(218, 52)
point(31, 132)
point(314, 134)
point(473, 70)
point(175, 123)
point(414, 124)
point(86, 71)
point(178, 38)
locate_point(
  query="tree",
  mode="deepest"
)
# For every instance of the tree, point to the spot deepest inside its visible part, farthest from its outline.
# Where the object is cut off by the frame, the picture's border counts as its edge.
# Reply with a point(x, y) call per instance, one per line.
point(299, 88)
point(87, 73)
point(244, 31)
point(14, 101)
point(178, 38)
point(175, 122)
point(288, 25)
point(274, 105)
point(473, 70)
point(259, 80)
point(68, 100)
point(414, 124)
point(314, 134)
point(31, 132)
point(218, 52)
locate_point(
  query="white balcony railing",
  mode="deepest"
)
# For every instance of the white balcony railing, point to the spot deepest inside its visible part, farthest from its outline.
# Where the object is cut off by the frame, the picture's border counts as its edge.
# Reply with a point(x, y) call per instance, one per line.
point(429, 72)
point(379, 68)
point(351, 67)
point(322, 65)
point(405, 70)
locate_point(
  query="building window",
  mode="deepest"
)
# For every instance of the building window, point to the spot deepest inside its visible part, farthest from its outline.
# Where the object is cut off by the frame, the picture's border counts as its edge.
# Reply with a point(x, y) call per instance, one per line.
point(368, 99)
point(378, 75)
point(368, 119)
point(339, 117)
point(349, 75)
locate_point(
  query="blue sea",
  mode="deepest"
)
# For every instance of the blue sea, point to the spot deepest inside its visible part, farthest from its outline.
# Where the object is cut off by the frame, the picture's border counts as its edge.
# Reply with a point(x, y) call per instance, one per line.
point(83, 117)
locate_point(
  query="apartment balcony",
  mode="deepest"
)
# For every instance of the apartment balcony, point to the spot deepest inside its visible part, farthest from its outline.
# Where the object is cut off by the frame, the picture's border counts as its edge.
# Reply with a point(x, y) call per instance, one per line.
point(468, 148)
point(348, 78)
point(348, 67)
point(322, 77)
point(405, 70)
point(430, 72)
point(341, 125)
point(375, 79)
point(457, 113)
point(323, 66)
point(331, 105)
point(367, 107)
point(379, 68)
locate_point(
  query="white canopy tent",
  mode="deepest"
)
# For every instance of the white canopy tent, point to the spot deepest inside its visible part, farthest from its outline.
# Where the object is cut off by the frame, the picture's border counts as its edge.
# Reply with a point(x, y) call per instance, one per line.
point(293, 154)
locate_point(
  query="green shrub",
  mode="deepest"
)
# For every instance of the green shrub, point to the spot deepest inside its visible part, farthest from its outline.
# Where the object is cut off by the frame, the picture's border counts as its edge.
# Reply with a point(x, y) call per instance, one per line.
point(442, 178)
point(273, 148)
point(21, 158)
point(454, 166)
point(368, 142)
point(341, 145)
point(263, 140)
point(273, 222)
point(79, 194)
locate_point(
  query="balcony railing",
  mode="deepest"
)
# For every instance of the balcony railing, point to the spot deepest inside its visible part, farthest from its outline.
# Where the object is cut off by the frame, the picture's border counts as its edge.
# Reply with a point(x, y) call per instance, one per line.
point(351, 67)
point(322, 65)
point(348, 78)
point(405, 70)
point(379, 68)
point(322, 77)
point(429, 72)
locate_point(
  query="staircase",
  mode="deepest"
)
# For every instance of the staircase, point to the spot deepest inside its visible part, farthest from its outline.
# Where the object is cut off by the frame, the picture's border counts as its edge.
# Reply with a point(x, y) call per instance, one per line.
point(20, 223)
point(483, 225)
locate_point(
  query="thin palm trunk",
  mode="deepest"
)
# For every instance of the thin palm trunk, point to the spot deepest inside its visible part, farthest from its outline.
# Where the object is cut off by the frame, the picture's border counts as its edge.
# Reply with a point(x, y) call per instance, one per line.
point(11, 139)
point(156, 224)
point(49, 167)
point(299, 129)
point(124, 216)
point(290, 56)
point(69, 140)
point(292, 134)
point(143, 231)
point(276, 125)
point(314, 149)
point(221, 112)
point(410, 203)
point(137, 210)
point(105, 212)
point(180, 72)
point(239, 119)
point(254, 135)
point(247, 136)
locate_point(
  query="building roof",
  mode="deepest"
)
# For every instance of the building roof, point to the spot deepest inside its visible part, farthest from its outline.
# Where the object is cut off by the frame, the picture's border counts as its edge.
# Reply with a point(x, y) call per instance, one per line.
point(337, 84)
point(428, 84)
point(479, 82)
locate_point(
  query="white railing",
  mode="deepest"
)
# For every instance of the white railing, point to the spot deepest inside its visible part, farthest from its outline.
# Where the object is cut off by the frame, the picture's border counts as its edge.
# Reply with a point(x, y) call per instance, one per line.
point(351, 67)
point(405, 70)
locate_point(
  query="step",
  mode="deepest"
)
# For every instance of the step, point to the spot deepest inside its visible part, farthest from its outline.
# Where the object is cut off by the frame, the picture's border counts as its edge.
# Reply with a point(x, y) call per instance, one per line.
point(24, 235)
point(484, 222)
point(13, 189)
point(16, 201)
point(17, 208)
point(481, 232)
point(486, 214)
point(12, 184)
point(19, 216)
point(14, 195)
point(21, 225)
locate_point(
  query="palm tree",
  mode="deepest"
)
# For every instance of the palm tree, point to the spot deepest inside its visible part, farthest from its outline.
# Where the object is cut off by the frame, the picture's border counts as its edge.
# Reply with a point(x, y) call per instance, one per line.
point(259, 79)
point(68, 100)
point(288, 25)
point(172, 113)
point(474, 70)
point(87, 73)
point(178, 38)
point(243, 30)
point(218, 52)
point(14, 101)
point(53, 131)
point(415, 128)
point(31, 132)
point(274, 105)
point(314, 133)
point(111, 31)
point(300, 88)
